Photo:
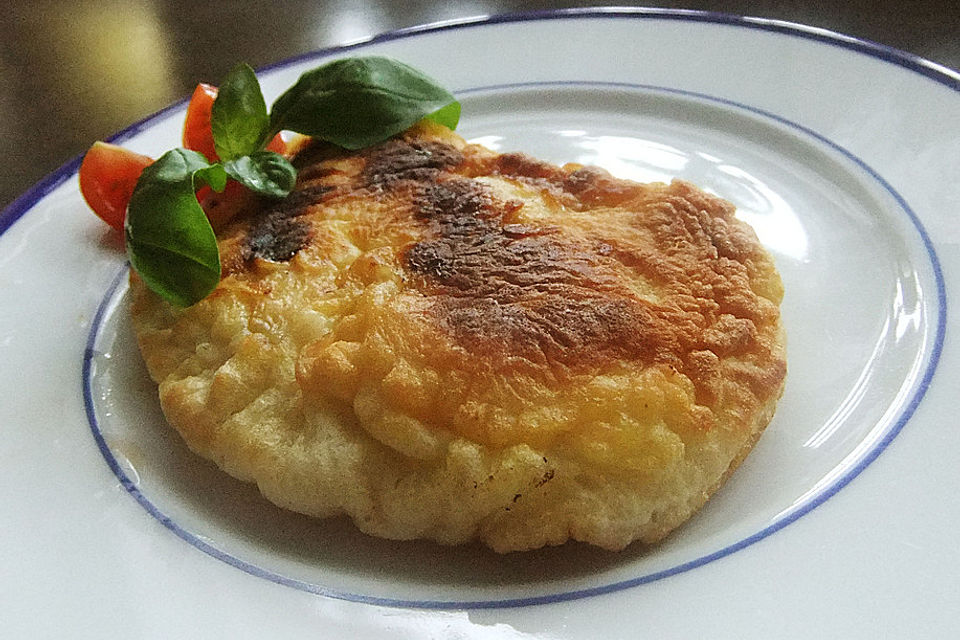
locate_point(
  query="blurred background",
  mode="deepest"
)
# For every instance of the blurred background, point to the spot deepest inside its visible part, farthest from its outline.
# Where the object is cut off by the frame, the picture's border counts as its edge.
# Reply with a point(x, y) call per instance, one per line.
point(75, 71)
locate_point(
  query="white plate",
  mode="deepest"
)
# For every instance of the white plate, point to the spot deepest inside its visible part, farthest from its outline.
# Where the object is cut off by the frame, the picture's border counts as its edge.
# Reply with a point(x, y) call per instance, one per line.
point(843, 156)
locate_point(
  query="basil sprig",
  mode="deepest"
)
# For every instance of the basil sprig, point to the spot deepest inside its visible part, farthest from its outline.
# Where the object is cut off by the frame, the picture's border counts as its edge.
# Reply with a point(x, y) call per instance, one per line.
point(352, 102)
point(169, 239)
point(241, 125)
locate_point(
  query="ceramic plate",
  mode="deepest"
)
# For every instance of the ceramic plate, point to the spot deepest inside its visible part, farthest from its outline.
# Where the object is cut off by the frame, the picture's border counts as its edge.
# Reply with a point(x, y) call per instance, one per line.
point(842, 155)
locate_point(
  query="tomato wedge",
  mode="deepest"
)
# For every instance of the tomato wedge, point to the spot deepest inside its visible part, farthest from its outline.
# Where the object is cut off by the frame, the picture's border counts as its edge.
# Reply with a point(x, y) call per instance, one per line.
point(197, 134)
point(108, 175)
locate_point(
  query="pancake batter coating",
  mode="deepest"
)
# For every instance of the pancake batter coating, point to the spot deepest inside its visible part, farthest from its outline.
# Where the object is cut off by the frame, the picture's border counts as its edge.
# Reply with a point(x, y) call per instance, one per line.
point(444, 342)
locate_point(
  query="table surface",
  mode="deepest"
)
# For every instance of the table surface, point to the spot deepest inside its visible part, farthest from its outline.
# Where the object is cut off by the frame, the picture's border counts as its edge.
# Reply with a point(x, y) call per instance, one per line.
point(75, 71)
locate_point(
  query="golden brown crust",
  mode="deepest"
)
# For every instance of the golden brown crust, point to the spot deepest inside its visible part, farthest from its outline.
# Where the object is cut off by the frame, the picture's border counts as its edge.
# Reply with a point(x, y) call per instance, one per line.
point(432, 297)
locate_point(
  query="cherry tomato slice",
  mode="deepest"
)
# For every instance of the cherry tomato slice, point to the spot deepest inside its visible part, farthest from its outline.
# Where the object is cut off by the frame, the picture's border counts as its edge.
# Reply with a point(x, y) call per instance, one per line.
point(197, 134)
point(108, 175)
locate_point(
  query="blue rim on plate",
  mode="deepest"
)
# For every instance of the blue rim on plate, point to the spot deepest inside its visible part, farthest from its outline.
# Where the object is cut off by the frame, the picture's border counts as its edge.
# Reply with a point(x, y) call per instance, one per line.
point(919, 65)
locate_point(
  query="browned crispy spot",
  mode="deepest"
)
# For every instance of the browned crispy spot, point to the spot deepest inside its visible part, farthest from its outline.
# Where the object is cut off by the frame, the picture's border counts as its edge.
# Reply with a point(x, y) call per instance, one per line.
point(299, 199)
point(558, 329)
point(520, 165)
point(278, 233)
point(277, 236)
point(275, 233)
point(594, 186)
point(402, 159)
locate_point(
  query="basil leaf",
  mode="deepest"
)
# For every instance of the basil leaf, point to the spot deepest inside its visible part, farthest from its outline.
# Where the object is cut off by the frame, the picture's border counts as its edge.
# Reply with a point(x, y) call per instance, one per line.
point(169, 240)
point(263, 172)
point(448, 116)
point(239, 119)
point(175, 165)
point(358, 102)
point(215, 176)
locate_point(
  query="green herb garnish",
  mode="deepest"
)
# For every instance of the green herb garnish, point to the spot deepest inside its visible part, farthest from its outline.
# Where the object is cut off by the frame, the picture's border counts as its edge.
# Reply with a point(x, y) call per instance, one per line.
point(353, 103)
point(367, 101)
point(239, 119)
point(169, 240)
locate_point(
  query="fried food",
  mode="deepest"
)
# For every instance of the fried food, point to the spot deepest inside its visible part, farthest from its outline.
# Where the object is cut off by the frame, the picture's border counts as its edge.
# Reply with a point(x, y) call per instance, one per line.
point(445, 342)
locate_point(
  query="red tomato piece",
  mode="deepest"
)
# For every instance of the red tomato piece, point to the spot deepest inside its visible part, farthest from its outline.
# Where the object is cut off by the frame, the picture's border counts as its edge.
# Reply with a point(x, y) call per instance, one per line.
point(278, 145)
point(197, 134)
point(108, 175)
